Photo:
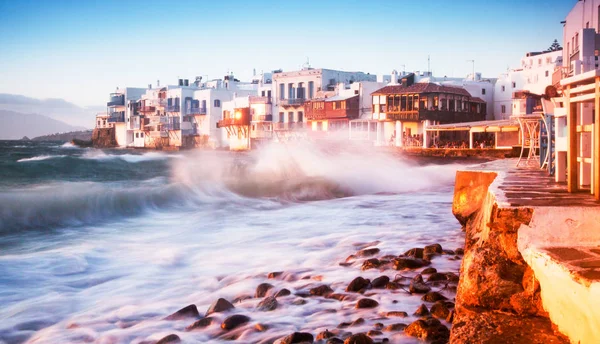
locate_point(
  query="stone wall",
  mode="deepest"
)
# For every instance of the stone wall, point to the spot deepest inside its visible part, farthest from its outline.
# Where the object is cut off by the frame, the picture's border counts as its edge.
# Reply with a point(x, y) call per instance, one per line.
point(104, 138)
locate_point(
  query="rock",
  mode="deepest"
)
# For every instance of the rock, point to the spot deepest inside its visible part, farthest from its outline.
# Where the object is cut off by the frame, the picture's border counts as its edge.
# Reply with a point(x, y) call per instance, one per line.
point(393, 286)
point(262, 290)
point(372, 263)
point(421, 311)
point(452, 277)
point(448, 252)
point(170, 339)
point(269, 303)
point(325, 335)
point(429, 329)
point(439, 310)
point(414, 253)
point(433, 249)
point(345, 264)
point(434, 277)
point(202, 323)
point(450, 317)
point(358, 322)
point(395, 327)
point(341, 297)
point(344, 324)
point(299, 302)
point(283, 292)
point(261, 327)
point(433, 296)
point(378, 326)
point(190, 311)
point(409, 263)
point(334, 341)
point(373, 333)
point(367, 303)
point(359, 338)
point(234, 321)
point(221, 305)
point(241, 298)
point(321, 290)
point(418, 286)
point(380, 282)
point(367, 252)
point(459, 251)
point(357, 284)
point(396, 314)
point(428, 271)
point(273, 275)
point(298, 337)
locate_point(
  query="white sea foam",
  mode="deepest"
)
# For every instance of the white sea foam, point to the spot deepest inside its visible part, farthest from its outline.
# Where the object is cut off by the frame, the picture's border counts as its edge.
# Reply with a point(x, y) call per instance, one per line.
point(41, 157)
point(131, 158)
point(68, 145)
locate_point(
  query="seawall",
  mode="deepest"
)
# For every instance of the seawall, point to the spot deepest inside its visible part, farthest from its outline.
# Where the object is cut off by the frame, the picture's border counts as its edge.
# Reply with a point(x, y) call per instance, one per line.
point(104, 138)
point(511, 288)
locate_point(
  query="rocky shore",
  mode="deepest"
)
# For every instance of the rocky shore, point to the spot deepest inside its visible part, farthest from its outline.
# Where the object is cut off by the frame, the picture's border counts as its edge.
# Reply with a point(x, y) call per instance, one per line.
point(381, 309)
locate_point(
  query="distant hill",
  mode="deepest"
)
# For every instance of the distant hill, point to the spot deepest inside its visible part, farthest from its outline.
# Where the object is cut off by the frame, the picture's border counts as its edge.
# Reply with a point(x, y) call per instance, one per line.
point(58, 109)
point(15, 125)
point(85, 135)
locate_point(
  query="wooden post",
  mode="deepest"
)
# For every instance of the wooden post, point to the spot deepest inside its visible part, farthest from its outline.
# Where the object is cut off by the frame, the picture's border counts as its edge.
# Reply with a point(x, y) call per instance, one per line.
point(596, 143)
point(572, 142)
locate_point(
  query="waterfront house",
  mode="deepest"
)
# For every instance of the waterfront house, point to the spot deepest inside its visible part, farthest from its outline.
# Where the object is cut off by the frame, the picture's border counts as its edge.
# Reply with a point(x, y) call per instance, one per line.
point(117, 108)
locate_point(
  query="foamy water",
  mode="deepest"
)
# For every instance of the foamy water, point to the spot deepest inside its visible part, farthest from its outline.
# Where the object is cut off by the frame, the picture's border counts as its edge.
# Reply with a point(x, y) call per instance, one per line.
point(105, 261)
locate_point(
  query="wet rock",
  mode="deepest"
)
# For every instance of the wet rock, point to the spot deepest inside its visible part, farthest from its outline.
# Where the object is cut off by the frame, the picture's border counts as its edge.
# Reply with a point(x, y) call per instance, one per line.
point(367, 303)
point(190, 311)
point(262, 290)
point(435, 277)
point(357, 284)
point(283, 292)
point(448, 252)
point(452, 277)
point(221, 305)
point(433, 249)
point(358, 322)
point(341, 297)
point(241, 298)
point(421, 311)
point(269, 303)
point(380, 282)
point(409, 263)
point(321, 290)
point(261, 327)
point(299, 302)
point(359, 338)
point(395, 327)
point(372, 263)
point(234, 321)
point(199, 324)
point(433, 296)
point(396, 314)
point(367, 252)
point(429, 329)
point(440, 310)
point(393, 286)
point(414, 253)
point(428, 271)
point(334, 341)
point(325, 335)
point(374, 333)
point(428, 256)
point(344, 324)
point(298, 337)
point(418, 286)
point(273, 275)
point(450, 317)
point(170, 339)
point(345, 264)
point(459, 251)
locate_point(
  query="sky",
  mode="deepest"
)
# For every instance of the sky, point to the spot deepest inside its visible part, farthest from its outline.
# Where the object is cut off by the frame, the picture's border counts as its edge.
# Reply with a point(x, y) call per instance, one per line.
point(82, 50)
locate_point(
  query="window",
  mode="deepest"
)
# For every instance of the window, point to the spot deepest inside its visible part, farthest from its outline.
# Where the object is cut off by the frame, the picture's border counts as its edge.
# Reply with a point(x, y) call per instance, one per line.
point(290, 117)
point(217, 103)
point(141, 134)
point(262, 93)
point(300, 117)
point(291, 91)
point(281, 91)
point(335, 105)
point(281, 117)
point(514, 85)
point(137, 135)
point(99, 122)
point(311, 89)
point(483, 91)
point(503, 88)
point(503, 109)
point(547, 73)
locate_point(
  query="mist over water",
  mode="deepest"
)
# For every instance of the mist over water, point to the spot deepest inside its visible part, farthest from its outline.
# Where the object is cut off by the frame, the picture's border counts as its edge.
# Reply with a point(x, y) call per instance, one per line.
point(100, 245)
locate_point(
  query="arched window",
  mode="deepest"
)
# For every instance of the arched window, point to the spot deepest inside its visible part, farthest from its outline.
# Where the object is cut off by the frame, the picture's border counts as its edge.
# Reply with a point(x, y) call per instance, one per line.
point(217, 103)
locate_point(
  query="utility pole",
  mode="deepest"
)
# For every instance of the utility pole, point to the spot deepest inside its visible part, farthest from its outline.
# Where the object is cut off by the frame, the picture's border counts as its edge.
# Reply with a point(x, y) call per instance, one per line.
point(472, 75)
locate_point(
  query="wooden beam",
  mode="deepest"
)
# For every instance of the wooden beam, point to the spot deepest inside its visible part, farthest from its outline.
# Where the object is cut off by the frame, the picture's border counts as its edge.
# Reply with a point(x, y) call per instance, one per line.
point(596, 143)
point(572, 142)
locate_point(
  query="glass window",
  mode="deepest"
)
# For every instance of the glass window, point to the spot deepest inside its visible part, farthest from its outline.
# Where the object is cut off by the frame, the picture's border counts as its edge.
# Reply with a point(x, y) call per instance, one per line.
point(217, 103)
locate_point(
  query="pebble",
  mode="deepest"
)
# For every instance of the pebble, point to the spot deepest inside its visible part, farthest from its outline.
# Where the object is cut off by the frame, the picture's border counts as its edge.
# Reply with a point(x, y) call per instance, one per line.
point(367, 252)
point(367, 303)
point(298, 337)
point(234, 321)
point(283, 292)
point(380, 282)
point(262, 290)
point(359, 338)
point(357, 284)
point(269, 303)
point(202, 323)
point(321, 290)
point(433, 296)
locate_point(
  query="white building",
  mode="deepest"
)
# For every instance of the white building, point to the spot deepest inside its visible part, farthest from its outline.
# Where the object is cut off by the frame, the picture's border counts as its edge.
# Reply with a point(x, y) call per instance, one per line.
point(117, 109)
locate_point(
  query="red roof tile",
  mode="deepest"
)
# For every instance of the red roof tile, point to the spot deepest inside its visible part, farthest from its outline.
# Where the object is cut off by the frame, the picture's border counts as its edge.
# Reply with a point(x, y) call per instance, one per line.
point(421, 87)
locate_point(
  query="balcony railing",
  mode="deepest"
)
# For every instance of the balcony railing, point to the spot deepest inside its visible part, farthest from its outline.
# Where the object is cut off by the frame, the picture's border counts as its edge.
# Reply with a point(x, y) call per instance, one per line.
point(292, 102)
point(263, 118)
point(116, 100)
point(260, 100)
point(289, 126)
point(172, 108)
point(443, 116)
point(172, 126)
point(146, 109)
point(117, 117)
point(190, 132)
point(196, 111)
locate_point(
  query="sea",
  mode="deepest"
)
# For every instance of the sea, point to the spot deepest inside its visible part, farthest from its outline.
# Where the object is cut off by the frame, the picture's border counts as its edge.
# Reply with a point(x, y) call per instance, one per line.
point(100, 245)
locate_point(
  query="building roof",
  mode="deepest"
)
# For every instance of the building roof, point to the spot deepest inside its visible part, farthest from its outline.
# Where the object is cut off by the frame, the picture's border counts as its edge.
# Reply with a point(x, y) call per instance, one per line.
point(339, 97)
point(421, 87)
point(477, 100)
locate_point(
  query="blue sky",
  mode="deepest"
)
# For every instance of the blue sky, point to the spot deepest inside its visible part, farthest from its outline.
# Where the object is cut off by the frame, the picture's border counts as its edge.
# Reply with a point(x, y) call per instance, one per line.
point(82, 50)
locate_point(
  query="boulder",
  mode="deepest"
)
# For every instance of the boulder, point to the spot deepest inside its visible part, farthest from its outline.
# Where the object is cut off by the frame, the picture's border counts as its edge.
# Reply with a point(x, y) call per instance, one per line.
point(234, 321)
point(221, 305)
point(298, 337)
point(190, 311)
point(321, 290)
point(372, 263)
point(357, 284)
point(418, 286)
point(334, 340)
point(367, 252)
point(440, 310)
point(359, 338)
point(435, 277)
point(428, 271)
point(373, 333)
point(358, 322)
point(283, 292)
point(269, 303)
point(414, 253)
point(459, 251)
point(433, 296)
point(402, 263)
point(199, 324)
point(325, 335)
point(241, 298)
point(395, 327)
point(433, 249)
point(366, 303)
point(429, 329)
point(421, 311)
point(275, 274)
point(170, 339)
point(262, 289)
point(380, 282)
point(261, 327)
point(396, 314)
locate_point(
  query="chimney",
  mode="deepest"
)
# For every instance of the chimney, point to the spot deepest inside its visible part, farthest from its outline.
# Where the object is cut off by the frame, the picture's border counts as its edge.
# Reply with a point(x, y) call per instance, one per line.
point(180, 82)
point(186, 82)
point(149, 86)
point(158, 83)
point(394, 80)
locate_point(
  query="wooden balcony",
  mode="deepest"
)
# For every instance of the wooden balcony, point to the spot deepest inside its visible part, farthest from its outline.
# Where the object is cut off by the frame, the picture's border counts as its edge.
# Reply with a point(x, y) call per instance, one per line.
point(145, 109)
point(442, 116)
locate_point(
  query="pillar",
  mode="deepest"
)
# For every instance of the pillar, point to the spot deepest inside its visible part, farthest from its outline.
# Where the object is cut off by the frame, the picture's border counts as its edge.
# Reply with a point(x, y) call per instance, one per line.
point(425, 138)
point(596, 141)
point(571, 142)
point(470, 139)
point(399, 134)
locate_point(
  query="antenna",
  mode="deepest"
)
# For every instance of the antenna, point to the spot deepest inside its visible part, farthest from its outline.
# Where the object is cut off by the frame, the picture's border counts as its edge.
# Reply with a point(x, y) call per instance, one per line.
point(472, 75)
point(428, 65)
